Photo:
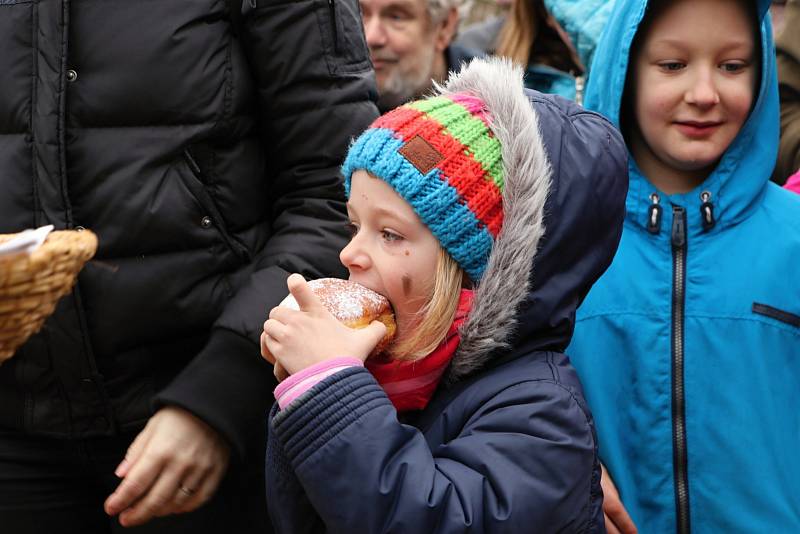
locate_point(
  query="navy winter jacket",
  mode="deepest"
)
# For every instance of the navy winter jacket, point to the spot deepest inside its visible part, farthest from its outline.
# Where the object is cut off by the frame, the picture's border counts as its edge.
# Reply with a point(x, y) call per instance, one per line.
point(507, 443)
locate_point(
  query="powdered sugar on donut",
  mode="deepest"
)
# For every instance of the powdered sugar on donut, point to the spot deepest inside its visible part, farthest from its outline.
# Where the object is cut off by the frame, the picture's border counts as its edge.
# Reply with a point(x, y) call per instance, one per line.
point(348, 301)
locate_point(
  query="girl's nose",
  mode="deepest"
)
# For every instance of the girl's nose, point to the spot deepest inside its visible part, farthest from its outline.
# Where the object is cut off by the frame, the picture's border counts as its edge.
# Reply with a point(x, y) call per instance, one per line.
point(703, 91)
point(353, 256)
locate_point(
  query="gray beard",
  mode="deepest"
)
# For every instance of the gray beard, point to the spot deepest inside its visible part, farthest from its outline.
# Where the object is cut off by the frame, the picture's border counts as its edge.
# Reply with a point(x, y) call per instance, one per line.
point(400, 89)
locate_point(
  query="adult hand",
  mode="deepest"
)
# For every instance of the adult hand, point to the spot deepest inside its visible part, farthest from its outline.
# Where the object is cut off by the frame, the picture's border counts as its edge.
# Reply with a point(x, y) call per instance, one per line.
point(617, 519)
point(173, 466)
point(301, 338)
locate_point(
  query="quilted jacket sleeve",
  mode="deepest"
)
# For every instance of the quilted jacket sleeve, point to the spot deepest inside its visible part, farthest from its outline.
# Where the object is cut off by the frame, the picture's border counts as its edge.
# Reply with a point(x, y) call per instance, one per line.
point(316, 91)
point(522, 463)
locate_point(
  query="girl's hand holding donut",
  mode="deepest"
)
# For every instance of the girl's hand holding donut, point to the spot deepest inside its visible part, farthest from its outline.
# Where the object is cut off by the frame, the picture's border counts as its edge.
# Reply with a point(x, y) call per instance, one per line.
point(296, 339)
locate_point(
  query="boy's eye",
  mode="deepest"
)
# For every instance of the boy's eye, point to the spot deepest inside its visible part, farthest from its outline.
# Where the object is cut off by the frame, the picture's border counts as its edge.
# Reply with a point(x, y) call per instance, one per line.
point(352, 228)
point(733, 67)
point(671, 66)
point(390, 236)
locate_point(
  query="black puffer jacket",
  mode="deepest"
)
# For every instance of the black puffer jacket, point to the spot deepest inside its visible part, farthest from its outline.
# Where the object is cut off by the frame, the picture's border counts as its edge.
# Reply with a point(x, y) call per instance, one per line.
point(205, 156)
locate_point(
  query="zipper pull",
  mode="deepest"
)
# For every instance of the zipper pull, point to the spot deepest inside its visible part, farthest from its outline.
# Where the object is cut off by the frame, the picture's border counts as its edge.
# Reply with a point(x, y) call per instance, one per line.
point(654, 215)
point(580, 86)
point(678, 227)
point(707, 211)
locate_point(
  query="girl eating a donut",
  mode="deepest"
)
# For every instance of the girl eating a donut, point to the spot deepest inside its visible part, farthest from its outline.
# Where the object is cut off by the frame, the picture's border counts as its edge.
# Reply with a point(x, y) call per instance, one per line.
point(483, 214)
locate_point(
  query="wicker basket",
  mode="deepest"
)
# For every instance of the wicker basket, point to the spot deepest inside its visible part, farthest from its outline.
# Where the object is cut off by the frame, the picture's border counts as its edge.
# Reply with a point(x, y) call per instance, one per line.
point(31, 284)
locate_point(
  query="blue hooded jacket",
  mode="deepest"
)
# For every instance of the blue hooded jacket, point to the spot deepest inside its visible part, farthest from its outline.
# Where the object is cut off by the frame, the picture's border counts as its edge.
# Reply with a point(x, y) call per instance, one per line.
point(689, 346)
point(506, 443)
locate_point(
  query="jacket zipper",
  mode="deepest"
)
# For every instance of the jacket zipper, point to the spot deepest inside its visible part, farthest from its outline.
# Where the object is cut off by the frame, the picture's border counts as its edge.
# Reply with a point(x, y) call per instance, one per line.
point(679, 456)
point(332, 11)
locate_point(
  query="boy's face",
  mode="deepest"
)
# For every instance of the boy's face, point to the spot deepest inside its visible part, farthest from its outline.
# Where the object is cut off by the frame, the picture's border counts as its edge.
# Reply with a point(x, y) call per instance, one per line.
point(694, 86)
point(391, 252)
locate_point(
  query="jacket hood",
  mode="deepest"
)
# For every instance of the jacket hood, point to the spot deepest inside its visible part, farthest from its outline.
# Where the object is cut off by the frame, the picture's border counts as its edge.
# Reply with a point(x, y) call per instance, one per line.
point(563, 203)
point(741, 175)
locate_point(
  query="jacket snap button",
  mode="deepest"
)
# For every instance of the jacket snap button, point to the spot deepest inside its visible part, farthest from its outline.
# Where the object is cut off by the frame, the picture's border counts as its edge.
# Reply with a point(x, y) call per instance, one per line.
point(71, 75)
point(206, 222)
point(80, 228)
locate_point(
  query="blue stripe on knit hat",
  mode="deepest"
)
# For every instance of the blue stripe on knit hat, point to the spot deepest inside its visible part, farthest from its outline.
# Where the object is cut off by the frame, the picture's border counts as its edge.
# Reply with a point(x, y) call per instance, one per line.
point(436, 202)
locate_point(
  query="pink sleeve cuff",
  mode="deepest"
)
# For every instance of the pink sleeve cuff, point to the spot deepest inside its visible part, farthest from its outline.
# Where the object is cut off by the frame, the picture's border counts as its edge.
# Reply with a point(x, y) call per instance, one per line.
point(793, 182)
point(297, 384)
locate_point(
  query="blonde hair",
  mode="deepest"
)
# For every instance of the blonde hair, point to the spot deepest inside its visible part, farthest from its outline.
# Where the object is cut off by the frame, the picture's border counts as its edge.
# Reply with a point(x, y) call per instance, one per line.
point(527, 37)
point(435, 317)
point(518, 32)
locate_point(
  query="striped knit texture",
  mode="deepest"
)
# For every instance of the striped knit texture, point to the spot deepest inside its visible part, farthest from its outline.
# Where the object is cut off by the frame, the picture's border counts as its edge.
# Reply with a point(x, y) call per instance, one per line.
point(460, 198)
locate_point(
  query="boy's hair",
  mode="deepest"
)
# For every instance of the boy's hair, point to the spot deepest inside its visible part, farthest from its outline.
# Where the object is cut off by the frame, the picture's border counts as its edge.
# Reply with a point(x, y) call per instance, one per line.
point(437, 315)
point(627, 119)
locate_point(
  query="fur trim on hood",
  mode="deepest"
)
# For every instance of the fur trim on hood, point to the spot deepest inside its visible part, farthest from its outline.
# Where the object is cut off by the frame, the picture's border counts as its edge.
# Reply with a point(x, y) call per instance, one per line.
point(506, 281)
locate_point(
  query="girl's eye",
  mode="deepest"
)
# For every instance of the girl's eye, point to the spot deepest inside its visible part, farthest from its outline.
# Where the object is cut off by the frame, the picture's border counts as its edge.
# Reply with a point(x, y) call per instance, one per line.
point(352, 228)
point(390, 236)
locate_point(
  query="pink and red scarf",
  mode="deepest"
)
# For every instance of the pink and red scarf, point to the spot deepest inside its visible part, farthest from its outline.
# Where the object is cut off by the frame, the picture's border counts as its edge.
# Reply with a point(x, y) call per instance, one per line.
point(411, 384)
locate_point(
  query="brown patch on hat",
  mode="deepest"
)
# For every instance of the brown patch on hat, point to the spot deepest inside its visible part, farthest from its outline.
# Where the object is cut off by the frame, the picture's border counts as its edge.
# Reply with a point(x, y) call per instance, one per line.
point(421, 154)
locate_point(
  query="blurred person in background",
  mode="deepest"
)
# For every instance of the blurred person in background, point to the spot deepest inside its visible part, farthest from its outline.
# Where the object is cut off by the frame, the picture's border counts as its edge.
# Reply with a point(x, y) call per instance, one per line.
point(410, 44)
point(481, 26)
point(776, 13)
point(554, 39)
point(787, 45)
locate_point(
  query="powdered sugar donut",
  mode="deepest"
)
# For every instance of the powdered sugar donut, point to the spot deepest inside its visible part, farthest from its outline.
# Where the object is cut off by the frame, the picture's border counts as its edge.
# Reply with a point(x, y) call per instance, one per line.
point(352, 304)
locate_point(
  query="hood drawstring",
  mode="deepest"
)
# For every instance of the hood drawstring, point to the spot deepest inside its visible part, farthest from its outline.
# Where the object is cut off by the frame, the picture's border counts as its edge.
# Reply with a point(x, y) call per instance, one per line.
point(655, 210)
point(707, 211)
point(654, 215)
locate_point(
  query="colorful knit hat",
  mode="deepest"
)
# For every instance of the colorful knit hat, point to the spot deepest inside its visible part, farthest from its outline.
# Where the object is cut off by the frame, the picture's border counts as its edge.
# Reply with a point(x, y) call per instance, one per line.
point(441, 156)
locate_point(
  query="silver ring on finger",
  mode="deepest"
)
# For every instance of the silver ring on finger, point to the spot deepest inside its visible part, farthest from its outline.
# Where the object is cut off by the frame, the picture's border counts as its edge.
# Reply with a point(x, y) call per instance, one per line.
point(186, 491)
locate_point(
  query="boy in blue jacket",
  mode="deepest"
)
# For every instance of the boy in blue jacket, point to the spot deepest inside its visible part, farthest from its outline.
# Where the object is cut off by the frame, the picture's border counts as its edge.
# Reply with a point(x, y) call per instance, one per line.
point(470, 218)
point(688, 347)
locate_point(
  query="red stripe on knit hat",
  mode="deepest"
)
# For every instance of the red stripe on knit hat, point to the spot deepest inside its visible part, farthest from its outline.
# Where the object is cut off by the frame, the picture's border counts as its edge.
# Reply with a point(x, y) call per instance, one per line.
point(458, 167)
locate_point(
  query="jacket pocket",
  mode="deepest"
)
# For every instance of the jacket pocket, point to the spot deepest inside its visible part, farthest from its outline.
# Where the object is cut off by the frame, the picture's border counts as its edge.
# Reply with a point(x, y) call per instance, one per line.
point(778, 315)
point(342, 35)
point(195, 182)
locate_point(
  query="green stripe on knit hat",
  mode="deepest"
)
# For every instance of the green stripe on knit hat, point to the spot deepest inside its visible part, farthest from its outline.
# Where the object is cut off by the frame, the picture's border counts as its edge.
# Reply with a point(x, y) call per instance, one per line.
point(469, 130)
